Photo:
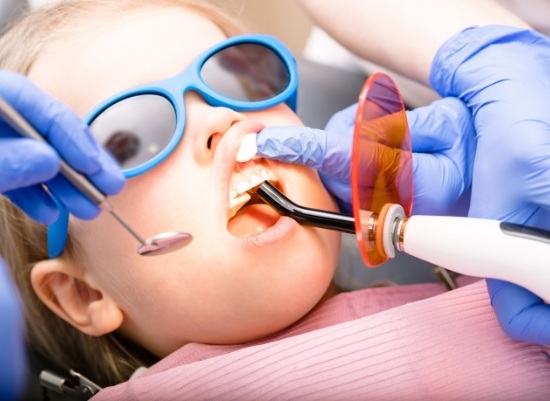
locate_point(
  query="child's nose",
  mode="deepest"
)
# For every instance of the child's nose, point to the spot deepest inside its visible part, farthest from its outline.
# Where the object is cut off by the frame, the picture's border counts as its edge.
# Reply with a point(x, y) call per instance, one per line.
point(207, 124)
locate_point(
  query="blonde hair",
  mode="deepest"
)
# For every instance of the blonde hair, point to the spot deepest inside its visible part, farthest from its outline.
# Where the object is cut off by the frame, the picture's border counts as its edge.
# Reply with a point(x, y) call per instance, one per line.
point(107, 359)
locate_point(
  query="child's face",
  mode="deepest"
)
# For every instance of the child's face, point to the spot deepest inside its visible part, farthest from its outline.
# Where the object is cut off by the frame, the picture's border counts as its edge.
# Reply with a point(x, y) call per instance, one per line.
point(227, 285)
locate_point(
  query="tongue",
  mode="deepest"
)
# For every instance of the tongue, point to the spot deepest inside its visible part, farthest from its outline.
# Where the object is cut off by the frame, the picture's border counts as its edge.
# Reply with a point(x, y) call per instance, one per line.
point(252, 220)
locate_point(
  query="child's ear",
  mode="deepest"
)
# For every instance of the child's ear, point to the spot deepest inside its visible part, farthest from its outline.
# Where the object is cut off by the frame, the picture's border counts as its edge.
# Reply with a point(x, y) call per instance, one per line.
point(59, 285)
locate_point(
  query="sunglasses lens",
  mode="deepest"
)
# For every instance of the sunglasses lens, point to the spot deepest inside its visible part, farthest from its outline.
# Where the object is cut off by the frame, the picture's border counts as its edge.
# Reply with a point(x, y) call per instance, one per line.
point(136, 129)
point(246, 72)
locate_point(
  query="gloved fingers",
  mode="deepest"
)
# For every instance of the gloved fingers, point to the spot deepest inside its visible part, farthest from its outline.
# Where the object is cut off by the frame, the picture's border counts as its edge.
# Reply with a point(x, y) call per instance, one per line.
point(310, 147)
point(75, 201)
point(438, 185)
point(57, 123)
point(443, 142)
point(539, 218)
point(522, 315)
point(531, 158)
point(494, 202)
point(35, 202)
point(293, 144)
point(25, 162)
point(340, 129)
point(72, 199)
point(328, 150)
point(470, 67)
point(61, 127)
point(513, 188)
point(443, 125)
point(12, 345)
point(109, 179)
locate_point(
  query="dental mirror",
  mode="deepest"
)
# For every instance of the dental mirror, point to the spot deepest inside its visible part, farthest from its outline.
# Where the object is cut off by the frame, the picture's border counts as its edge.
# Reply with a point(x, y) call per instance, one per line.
point(157, 245)
point(164, 243)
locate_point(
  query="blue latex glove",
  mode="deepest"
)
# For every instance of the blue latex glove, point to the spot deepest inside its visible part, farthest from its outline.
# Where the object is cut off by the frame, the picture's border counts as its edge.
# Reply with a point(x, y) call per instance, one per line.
point(442, 138)
point(12, 349)
point(503, 75)
point(25, 163)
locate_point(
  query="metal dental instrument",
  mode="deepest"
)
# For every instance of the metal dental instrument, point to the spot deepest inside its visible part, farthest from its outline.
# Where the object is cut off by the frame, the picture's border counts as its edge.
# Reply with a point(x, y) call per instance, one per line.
point(157, 245)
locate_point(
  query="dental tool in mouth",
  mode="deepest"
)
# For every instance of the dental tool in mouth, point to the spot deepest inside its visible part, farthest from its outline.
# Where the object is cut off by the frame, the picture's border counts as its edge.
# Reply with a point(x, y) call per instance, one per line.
point(382, 189)
point(262, 186)
point(157, 245)
point(303, 215)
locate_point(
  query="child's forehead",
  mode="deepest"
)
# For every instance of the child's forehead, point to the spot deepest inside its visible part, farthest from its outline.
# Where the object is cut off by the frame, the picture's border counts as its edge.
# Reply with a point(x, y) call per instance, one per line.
point(142, 37)
point(109, 58)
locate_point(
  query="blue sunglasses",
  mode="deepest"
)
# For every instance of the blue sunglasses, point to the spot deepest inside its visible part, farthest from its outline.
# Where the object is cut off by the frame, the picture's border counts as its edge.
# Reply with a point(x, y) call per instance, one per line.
point(141, 126)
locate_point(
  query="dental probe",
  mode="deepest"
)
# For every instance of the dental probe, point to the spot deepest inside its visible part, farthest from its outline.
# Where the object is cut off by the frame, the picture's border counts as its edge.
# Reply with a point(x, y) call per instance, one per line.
point(156, 245)
point(472, 246)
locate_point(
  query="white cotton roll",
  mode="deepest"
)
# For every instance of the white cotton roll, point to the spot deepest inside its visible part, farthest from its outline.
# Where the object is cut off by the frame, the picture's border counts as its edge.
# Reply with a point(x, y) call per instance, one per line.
point(248, 148)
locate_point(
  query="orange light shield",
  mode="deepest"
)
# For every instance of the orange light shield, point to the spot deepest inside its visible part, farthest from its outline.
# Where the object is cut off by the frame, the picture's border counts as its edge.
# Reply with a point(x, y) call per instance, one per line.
point(381, 163)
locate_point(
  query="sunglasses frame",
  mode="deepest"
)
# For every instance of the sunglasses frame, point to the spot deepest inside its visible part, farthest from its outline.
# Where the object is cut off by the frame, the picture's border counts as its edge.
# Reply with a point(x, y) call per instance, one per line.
point(173, 89)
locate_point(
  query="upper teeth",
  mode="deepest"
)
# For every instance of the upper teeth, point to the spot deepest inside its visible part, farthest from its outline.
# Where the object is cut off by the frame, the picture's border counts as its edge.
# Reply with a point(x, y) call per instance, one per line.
point(250, 176)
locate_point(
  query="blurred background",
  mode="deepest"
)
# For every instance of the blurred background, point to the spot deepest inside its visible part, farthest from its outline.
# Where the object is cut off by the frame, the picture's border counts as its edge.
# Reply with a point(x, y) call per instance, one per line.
point(288, 21)
point(282, 18)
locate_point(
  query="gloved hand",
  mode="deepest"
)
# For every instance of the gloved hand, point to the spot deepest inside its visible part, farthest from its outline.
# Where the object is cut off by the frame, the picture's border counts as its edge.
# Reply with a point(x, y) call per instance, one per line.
point(503, 75)
point(25, 163)
point(442, 139)
point(12, 349)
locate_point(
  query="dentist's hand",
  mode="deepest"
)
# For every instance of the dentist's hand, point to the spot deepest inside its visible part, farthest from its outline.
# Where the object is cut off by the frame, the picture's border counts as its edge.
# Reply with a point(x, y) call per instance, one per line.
point(442, 137)
point(12, 349)
point(25, 163)
point(503, 75)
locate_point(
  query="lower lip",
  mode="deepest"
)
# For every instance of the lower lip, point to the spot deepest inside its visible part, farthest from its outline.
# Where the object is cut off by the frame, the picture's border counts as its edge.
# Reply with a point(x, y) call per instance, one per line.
point(283, 228)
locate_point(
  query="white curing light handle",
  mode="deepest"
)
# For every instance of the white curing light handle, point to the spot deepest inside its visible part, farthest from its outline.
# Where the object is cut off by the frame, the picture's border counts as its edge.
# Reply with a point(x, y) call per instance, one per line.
point(482, 248)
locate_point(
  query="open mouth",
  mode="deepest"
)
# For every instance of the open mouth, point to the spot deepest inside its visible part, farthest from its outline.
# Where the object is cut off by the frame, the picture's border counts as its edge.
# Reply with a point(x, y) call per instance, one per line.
point(248, 215)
